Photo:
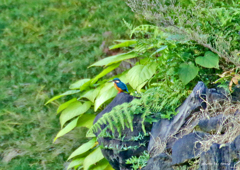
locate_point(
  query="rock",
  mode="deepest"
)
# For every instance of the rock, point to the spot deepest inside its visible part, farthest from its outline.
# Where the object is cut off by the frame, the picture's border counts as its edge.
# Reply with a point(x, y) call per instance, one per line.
point(212, 124)
point(118, 100)
point(174, 134)
point(216, 158)
point(236, 144)
point(159, 162)
point(166, 129)
point(224, 156)
point(187, 148)
point(132, 143)
point(216, 95)
point(236, 94)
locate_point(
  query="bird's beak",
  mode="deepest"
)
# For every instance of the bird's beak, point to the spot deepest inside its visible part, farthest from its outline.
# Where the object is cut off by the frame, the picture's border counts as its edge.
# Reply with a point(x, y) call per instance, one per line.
point(110, 81)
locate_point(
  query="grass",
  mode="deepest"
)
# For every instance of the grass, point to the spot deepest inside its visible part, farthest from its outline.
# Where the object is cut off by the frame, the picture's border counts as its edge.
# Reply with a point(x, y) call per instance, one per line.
point(44, 47)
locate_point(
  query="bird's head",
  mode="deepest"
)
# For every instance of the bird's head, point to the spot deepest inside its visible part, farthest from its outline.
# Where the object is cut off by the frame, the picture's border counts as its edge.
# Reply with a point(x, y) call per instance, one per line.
point(115, 80)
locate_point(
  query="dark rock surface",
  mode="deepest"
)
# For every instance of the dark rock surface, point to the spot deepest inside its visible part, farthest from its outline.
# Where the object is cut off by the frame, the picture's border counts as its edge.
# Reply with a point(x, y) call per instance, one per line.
point(218, 157)
point(182, 146)
point(236, 94)
point(159, 162)
point(118, 100)
point(187, 148)
point(163, 129)
point(210, 125)
point(221, 157)
point(116, 150)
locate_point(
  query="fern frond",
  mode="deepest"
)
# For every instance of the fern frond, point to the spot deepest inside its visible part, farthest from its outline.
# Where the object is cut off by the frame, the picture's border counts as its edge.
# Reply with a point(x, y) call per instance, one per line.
point(110, 122)
point(121, 120)
point(154, 101)
point(129, 26)
point(129, 120)
point(146, 29)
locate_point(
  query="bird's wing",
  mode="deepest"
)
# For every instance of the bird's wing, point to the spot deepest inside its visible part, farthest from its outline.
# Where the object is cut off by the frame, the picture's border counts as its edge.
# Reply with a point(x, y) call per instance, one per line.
point(123, 87)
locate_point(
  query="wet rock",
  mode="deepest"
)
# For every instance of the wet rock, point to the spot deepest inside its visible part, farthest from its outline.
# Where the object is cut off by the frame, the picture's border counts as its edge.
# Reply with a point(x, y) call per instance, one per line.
point(212, 124)
point(221, 157)
point(187, 148)
point(164, 129)
point(132, 143)
point(159, 162)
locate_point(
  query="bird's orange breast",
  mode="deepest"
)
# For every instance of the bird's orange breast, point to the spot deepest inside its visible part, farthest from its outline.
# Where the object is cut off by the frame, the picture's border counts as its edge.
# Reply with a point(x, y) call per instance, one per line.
point(119, 89)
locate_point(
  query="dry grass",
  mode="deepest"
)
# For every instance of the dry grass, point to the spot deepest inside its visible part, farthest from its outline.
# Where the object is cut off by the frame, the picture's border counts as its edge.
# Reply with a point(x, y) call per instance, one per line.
point(226, 132)
point(158, 147)
point(229, 128)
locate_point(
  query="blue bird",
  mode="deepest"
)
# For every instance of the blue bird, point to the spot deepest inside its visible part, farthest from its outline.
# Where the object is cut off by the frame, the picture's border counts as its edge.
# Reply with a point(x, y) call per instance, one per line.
point(119, 85)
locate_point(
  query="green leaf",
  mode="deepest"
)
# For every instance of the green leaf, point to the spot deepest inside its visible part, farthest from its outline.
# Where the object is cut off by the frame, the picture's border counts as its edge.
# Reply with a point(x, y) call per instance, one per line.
point(210, 60)
point(114, 59)
point(104, 72)
point(86, 120)
point(78, 84)
point(67, 128)
point(123, 43)
point(63, 94)
point(187, 72)
point(76, 162)
point(158, 50)
point(86, 86)
point(65, 105)
point(91, 94)
point(90, 135)
point(100, 165)
point(84, 148)
point(138, 75)
point(103, 97)
point(108, 91)
point(93, 158)
point(139, 88)
point(73, 110)
point(109, 167)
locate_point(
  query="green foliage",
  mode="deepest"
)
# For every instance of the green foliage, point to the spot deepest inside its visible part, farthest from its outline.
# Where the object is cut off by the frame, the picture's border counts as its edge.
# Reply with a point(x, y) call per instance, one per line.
point(93, 158)
point(63, 94)
point(210, 60)
point(161, 73)
point(187, 72)
point(190, 42)
point(67, 128)
point(45, 46)
point(155, 103)
point(123, 43)
point(114, 59)
point(88, 156)
point(120, 116)
point(78, 84)
point(104, 72)
point(212, 24)
point(84, 148)
point(75, 163)
point(138, 162)
point(144, 72)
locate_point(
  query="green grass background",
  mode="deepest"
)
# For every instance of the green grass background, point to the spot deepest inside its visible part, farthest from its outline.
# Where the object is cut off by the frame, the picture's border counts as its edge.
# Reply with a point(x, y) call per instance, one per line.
point(45, 45)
